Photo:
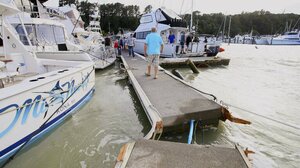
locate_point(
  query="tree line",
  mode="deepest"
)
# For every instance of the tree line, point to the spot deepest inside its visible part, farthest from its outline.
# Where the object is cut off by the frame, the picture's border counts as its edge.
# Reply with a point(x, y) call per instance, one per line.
point(116, 16)
point(258, 22)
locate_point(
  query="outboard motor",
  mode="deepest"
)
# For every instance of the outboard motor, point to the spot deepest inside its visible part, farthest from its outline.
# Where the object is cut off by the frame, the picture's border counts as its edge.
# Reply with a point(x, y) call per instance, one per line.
point(212, 51)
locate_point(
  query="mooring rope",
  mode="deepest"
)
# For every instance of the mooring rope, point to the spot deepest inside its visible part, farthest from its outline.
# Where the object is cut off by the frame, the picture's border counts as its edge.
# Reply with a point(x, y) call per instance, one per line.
point(262, 116)
point(182, 81)
point(94, 56)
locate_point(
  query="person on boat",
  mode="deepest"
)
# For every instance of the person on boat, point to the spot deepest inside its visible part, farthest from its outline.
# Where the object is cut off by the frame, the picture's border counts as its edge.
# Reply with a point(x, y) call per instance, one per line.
point(182, 41)
point(107, 42)
point(164, 37)
point(188, 40)
point(205, 39)
point(130, 43)
point(205, 44)
point(171, 38)
point(152, 49)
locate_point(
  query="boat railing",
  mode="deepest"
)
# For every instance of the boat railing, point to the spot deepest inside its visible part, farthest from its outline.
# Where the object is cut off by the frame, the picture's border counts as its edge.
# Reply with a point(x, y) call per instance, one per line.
point(56, 12)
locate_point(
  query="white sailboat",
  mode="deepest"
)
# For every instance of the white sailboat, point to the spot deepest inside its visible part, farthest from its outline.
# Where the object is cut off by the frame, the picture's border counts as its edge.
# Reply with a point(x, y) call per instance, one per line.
point(36, 93)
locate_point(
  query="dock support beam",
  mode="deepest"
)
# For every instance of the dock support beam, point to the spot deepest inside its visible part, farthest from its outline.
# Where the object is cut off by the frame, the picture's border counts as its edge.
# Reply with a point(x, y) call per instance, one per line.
point(177, 74)
point(192, 66)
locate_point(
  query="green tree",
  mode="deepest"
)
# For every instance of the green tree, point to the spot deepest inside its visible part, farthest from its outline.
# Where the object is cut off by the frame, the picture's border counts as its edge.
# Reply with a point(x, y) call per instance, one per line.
point(148, 9)
point(67, 2)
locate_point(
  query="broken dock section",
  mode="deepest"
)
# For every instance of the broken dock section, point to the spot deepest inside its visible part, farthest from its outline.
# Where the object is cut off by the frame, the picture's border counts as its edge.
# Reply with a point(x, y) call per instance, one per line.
point(154, 154)
point(198, 61)
point(168, 102)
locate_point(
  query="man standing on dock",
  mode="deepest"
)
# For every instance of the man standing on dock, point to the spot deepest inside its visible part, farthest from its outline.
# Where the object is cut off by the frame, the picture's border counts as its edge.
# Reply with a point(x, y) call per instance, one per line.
point(130, 43)
point(152, 50)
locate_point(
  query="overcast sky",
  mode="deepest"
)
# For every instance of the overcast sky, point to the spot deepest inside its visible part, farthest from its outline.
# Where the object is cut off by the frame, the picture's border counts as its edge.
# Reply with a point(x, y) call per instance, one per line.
point(210, 6)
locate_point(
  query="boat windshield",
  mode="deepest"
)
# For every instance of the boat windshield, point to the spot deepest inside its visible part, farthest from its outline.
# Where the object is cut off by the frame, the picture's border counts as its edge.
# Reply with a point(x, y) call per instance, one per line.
point(41, 34)
point(293, 33)
point(22, 35)
point(146, 19)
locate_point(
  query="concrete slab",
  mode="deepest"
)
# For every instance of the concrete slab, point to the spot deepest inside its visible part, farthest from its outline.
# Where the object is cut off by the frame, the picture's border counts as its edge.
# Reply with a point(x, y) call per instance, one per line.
point(154, 154)
point(175, 102)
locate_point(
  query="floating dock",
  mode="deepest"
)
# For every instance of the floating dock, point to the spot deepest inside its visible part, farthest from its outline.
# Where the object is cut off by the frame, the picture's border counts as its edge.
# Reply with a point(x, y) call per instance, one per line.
point(154, 154)
point(170, 103)
point(198, 61)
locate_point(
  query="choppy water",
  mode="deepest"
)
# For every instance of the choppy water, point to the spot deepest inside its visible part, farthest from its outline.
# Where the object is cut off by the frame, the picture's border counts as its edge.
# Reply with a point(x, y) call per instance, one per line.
point(264, 80)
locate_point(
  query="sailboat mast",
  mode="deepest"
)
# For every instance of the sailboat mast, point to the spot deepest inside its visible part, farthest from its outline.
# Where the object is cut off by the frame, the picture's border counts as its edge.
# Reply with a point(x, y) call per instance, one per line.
point(223, 32)
point(229, 26)
point(191, 25)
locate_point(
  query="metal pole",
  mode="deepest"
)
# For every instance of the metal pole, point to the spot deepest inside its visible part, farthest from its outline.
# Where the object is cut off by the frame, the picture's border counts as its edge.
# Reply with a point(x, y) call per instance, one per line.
point(229, 26)
point(2, 27)
point(191, 25)
point(191, 132)
point(223, 32)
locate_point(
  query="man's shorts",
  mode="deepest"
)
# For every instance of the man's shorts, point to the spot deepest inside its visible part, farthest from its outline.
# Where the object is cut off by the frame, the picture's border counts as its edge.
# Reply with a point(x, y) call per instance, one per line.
point(153, 59)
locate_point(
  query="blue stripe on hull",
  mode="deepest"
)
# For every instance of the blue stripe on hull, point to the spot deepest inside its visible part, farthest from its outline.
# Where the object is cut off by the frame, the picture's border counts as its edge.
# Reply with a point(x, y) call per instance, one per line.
point(9, 151)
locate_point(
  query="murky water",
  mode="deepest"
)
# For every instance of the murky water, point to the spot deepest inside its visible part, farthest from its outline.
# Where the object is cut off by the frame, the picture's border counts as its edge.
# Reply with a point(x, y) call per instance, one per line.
point(263, 80)
point(93, 136)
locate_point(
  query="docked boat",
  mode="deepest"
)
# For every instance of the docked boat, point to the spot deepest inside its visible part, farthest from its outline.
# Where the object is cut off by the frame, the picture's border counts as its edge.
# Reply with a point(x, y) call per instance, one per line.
point(244, 39)
point(36, 93)
point(263, 40)
point(167, 22)
point(289, 38)
point(90, 41)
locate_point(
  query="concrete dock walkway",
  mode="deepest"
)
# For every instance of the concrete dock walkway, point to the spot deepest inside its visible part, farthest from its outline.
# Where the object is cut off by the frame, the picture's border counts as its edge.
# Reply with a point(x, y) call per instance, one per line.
point(161, 154)
point(167, 101)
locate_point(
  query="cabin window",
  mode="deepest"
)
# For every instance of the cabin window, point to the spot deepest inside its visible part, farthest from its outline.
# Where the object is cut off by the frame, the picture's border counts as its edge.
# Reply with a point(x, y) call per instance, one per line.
point(30, 31)
point(41, 34)
point(45, 34)
point(142, 35)
point(146, 19)
point(50, 35)
point(59, 34)
point(1, 42)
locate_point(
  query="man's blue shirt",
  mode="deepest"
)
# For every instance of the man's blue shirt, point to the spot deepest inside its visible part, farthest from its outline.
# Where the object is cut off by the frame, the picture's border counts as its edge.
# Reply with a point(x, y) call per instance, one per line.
point(153, 41)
